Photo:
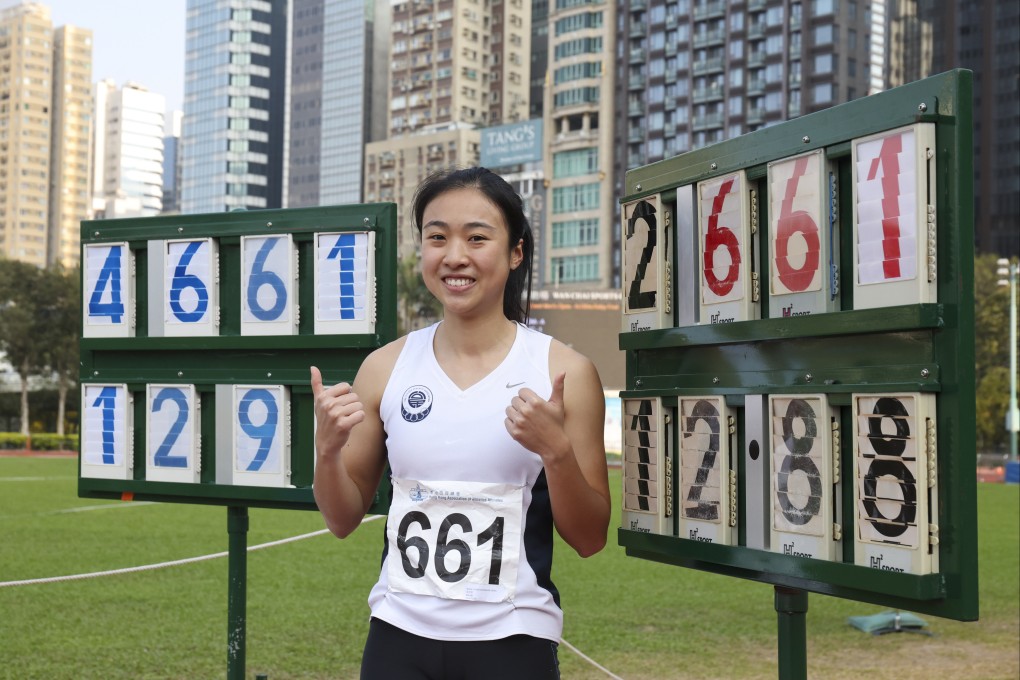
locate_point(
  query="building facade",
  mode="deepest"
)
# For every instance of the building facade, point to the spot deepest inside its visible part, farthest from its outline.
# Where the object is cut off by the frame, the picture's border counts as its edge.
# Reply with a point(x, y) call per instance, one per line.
point(234, 105)
point(337, 97)
point(128, 155)
point(578, 121)
point(45, 125)
point(69, 144)
point(455, 66)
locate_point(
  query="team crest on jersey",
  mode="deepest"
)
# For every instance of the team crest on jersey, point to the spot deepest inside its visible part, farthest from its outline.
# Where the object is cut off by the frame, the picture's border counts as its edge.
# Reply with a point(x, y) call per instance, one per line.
point(416, 403)
point(418, 494)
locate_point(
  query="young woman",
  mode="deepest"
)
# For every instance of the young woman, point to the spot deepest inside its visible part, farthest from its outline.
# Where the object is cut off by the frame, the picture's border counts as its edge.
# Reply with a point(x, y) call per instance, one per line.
point(493, 433)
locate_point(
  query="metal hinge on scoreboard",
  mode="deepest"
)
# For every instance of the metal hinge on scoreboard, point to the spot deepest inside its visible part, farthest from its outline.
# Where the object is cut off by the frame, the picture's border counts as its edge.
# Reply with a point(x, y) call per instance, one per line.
point(835, 451)
point(732, 422)
point(930, 442)
point(932, 243)
point(669, 472)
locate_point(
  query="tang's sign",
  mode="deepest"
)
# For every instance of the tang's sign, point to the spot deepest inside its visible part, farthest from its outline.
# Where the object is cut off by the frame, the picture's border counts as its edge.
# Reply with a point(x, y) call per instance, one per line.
point(798, 321)
point(197, 335)
point(513, 144)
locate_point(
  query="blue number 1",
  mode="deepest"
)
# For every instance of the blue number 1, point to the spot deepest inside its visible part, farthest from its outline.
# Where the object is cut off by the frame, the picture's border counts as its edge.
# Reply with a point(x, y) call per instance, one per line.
point(109, 275)
point(163, 457)
point(264, 432)
point(107, 400)
point(343, 251)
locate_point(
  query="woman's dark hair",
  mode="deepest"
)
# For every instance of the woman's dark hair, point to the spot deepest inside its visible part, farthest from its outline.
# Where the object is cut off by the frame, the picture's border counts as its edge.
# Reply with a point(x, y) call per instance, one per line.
point(517, 293)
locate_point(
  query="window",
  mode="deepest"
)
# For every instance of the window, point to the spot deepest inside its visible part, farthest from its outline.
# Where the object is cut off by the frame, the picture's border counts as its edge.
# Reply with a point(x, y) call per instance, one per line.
point(575, 198)
point(823, 63)
point(823, 34)
point(574, 163)
point(574, 233)
point(576, 268)
point(823, 93)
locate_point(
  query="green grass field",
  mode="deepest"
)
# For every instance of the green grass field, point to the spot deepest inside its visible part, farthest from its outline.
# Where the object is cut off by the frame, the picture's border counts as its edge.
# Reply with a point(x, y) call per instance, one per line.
point(307, 615)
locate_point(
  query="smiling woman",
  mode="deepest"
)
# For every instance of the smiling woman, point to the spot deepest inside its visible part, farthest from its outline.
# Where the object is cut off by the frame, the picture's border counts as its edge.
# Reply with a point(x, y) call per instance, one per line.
point(493, 436)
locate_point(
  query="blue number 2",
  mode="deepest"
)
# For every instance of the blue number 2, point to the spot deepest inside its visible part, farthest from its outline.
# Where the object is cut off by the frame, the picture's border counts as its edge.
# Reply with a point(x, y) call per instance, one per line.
point(183, 280)
point(107, 400)
point(262, 277)
point(109, 276)
point(264, 432)
point(163, 457)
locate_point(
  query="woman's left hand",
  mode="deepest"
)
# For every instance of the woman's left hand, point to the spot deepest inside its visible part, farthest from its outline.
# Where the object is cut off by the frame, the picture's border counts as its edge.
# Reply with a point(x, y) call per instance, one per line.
point(537, 424)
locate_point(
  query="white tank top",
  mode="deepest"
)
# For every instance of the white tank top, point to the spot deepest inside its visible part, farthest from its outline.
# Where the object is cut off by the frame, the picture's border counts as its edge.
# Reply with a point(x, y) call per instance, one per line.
point(469, 538)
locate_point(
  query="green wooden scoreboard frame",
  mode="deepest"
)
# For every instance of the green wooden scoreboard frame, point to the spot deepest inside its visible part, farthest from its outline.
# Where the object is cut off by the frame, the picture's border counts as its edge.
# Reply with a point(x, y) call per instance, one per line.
point(150, 258)
point(849, 346)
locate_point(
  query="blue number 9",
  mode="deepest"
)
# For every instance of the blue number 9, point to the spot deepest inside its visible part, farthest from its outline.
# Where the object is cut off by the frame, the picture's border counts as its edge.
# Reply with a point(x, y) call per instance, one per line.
point(264, 432)
point(262, 277)
point(183, 280)
point(163, 457)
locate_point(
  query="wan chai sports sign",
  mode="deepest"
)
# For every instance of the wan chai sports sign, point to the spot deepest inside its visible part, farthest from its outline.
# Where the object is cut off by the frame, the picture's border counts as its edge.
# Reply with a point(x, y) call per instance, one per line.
point(512, 144)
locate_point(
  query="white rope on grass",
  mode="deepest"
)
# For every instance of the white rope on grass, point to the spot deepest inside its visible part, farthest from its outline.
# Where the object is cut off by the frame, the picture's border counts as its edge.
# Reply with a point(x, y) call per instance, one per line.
point(590, 660)
point(213, 556)
point(172, 563)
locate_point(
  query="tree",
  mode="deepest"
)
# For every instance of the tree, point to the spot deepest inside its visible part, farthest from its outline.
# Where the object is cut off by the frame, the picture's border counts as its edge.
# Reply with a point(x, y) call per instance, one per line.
point(21, 326)
point(991, 353)
point(61, 329)
point(415, 300)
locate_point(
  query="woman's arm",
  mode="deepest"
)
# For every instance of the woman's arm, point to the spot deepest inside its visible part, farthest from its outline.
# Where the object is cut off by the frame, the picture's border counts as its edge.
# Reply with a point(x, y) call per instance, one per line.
point(350, 442)
point(567, 432)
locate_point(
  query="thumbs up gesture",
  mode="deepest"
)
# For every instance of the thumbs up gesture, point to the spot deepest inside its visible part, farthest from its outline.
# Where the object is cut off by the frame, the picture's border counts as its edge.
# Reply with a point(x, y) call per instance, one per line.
point(337, 410)
point(536, 423)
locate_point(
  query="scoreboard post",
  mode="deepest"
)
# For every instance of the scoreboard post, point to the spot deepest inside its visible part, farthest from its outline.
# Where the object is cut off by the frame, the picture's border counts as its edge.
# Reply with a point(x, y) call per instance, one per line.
point(197, 336)
point(799, 336)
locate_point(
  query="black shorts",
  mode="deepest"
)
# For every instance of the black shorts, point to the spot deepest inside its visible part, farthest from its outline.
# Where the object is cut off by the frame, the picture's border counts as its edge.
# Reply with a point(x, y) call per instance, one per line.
point(395, 654)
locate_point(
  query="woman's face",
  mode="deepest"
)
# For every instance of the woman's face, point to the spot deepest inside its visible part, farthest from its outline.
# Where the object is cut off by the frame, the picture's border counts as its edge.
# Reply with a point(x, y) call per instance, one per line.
point(465, 252)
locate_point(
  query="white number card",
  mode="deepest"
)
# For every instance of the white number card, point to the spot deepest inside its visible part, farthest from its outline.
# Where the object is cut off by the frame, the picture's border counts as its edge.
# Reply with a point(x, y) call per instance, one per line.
point(455, 540)
point(344, 282)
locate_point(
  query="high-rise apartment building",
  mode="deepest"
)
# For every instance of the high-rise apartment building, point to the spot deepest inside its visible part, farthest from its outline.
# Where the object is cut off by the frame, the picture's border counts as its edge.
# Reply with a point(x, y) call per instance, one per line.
point(128, 165)
point(26, 93)
point(696, 72)
point(234, 105)
point(172, 165)
point(456, 66)
point(578, 121)
point(932, 36)
point(69, 143)
point(45, 119)
point(339, 54)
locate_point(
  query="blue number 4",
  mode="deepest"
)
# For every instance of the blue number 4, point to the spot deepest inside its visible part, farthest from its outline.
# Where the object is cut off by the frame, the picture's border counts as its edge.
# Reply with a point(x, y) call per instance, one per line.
point(109, 277)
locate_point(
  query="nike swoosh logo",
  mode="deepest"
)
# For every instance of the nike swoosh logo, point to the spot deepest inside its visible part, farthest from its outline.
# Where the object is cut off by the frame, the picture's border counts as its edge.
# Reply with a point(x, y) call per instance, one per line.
point(510, 387)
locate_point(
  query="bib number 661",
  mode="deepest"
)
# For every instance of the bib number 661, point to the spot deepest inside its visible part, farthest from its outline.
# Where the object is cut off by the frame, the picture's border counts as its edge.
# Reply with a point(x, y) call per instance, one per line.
point(445, 545)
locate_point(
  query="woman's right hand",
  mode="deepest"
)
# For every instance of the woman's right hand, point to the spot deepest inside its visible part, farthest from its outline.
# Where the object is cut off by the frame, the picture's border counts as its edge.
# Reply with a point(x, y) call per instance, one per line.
point(337, 410)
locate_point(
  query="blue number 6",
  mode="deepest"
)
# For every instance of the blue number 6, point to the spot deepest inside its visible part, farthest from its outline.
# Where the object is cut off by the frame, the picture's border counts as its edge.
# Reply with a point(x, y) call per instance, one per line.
point(264, 432)
point(262, 277)
point(183, 280)
point(163, 457)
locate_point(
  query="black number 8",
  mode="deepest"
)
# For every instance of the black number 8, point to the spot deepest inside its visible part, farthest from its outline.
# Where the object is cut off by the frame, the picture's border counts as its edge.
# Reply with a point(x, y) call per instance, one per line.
point(799, 459)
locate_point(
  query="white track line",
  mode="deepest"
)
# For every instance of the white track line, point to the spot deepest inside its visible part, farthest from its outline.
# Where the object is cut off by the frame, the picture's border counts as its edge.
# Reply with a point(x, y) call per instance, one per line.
point(213, 556)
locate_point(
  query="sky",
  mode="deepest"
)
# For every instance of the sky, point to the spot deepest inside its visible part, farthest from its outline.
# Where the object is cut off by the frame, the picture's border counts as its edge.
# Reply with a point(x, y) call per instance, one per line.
point(132, 40)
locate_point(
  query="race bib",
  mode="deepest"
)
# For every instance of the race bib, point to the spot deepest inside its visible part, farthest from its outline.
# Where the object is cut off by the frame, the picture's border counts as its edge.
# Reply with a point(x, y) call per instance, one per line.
point(455, 540)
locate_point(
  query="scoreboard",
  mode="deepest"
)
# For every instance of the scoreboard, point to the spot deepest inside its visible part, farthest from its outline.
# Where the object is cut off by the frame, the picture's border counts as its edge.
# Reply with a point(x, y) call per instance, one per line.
point(799, 336)
point(197, 336)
